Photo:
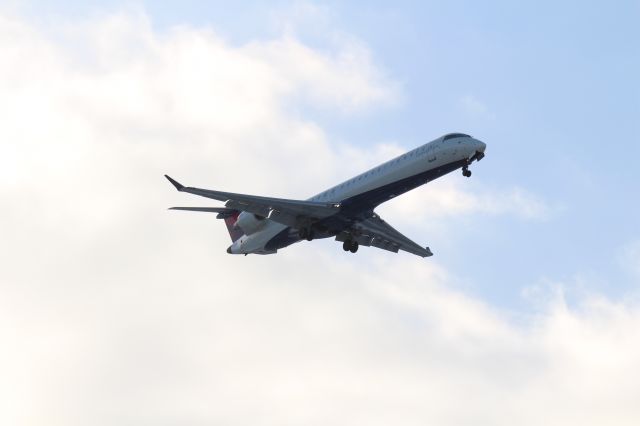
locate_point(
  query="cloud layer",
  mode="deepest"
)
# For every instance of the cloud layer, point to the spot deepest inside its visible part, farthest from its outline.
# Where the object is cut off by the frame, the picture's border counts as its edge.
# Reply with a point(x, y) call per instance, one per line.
point(114, 311)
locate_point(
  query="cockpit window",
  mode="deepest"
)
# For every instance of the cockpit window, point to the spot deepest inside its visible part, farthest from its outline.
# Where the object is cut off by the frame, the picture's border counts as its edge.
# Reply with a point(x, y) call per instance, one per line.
point(455, 135)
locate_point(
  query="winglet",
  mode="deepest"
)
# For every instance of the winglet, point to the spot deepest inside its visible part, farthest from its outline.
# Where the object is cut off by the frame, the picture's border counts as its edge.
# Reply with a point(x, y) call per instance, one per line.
point(175, 183)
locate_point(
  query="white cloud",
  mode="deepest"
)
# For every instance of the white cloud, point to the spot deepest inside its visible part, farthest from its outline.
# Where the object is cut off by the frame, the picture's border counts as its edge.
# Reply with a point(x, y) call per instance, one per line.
point(113, 311)
point(459, 196)
point(347, 81)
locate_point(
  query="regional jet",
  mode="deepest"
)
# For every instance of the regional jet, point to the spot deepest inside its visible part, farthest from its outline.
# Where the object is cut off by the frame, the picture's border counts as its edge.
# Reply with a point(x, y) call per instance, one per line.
point(263, 225)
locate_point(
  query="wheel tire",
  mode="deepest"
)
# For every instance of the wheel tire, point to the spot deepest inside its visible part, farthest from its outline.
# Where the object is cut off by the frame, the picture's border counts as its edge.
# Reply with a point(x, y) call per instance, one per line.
point(310, 235)
point(354, 247)
point(302, 233)
point(346, 246)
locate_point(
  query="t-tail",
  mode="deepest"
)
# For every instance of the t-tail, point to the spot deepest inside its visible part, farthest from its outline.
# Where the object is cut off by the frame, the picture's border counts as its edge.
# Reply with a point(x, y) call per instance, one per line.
point(230, 217)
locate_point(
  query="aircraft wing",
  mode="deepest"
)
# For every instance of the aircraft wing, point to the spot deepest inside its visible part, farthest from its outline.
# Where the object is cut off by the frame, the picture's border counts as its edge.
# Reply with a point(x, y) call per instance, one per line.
point(377, 233)
point(287, 212)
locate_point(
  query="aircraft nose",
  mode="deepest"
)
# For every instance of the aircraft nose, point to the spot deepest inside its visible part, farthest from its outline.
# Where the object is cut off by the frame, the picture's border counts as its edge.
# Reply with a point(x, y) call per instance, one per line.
point(480, 146)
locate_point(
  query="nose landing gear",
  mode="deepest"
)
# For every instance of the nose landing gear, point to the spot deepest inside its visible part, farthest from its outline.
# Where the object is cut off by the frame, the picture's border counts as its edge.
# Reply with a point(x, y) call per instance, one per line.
point(479, 155)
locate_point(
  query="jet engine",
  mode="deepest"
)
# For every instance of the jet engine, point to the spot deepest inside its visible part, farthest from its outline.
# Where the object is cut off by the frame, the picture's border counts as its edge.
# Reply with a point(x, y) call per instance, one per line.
point(250, 223)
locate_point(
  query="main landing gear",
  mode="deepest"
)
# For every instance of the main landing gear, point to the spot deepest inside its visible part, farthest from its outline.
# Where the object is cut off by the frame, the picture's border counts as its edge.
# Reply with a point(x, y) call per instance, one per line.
point(306, 234)
point(350, 245)
point(466, 172)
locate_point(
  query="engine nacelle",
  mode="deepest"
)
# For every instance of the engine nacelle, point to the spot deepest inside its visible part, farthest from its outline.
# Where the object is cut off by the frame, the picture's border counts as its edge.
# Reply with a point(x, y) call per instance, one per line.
point(250, 223)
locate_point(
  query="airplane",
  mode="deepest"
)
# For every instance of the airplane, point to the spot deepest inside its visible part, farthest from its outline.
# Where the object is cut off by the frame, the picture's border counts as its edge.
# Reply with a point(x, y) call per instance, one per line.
point(263, 225)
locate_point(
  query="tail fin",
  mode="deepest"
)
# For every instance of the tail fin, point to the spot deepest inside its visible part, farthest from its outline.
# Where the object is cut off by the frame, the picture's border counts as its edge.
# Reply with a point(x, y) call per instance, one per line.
point(230, 221)
point(230, 217)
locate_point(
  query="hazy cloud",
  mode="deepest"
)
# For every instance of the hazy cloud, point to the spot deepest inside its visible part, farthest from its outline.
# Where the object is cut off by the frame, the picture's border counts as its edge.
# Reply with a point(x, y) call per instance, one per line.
point(476, 108)
point(457, 196)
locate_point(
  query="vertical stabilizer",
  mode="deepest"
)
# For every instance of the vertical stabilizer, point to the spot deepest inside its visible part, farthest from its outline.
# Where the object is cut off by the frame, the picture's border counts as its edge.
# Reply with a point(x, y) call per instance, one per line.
point(230, 220)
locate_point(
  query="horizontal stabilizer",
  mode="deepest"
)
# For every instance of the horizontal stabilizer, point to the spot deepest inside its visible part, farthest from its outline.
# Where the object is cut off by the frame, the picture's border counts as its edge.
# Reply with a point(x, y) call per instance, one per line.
point(204, 209)
point(222, 211)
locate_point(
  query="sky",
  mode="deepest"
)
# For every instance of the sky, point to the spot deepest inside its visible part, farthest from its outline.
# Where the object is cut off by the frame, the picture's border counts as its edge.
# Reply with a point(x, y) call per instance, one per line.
point(114, 310)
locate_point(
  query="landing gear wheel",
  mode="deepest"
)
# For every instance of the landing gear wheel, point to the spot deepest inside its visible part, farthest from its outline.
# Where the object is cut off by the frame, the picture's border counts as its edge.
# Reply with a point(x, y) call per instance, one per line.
point(306, 234)
point(303, 233)
point(350, 245)
point(310, 235)
point(466, 172)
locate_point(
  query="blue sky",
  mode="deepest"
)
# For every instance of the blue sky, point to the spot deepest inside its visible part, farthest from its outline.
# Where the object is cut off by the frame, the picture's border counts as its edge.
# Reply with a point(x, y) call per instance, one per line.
point(127, 308)
point(558, 102)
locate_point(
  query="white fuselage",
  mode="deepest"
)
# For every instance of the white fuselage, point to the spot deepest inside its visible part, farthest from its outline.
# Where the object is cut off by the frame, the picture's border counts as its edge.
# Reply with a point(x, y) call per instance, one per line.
point(430, 156)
